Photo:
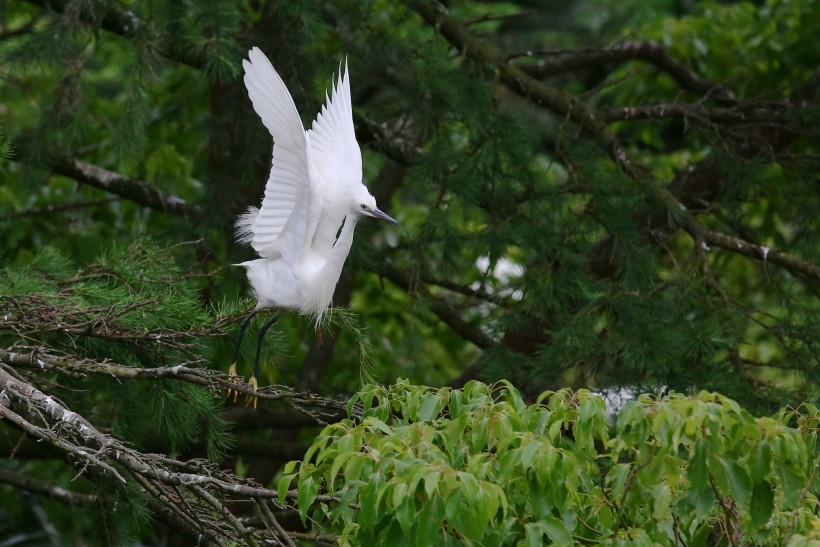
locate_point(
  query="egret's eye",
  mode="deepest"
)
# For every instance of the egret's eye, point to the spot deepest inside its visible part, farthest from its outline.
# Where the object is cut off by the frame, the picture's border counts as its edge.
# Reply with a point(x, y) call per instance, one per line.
point(364, 207)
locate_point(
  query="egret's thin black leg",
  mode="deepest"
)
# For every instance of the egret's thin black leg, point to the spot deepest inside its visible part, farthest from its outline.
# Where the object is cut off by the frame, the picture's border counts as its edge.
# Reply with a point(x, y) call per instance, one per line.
point(262, 332)
point(243, 327)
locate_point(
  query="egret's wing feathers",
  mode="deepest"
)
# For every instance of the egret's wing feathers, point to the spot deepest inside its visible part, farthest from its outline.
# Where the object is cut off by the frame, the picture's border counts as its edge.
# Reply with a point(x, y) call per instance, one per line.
point(280, 226)
point(336, 157)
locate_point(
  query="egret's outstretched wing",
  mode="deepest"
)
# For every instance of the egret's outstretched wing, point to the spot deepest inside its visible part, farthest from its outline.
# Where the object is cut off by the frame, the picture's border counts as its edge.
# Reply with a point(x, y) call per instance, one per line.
point(280, 225)
point(336, 157)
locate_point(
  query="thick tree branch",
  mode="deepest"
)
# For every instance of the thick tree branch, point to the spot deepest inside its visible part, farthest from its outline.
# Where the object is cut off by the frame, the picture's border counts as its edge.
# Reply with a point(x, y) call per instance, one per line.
point(139, 191)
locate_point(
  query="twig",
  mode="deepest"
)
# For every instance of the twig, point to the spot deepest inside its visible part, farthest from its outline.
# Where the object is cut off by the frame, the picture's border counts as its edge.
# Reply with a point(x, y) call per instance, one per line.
point(48, 209)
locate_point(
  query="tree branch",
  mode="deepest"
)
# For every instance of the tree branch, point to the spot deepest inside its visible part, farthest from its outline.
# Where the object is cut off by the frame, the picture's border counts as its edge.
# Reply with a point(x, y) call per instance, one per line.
point(139, 191)
point(696, 110)
point(460, 37)
point(201, 495)
point(641, 50)
point(59, 208)
point(760, 252)
point(439, 307)
point(46, 489)
point(116, 20)
point(319, 409)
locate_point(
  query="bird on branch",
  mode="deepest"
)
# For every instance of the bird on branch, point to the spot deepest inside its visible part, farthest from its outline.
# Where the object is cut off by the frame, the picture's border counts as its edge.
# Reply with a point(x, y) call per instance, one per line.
point(313, 199)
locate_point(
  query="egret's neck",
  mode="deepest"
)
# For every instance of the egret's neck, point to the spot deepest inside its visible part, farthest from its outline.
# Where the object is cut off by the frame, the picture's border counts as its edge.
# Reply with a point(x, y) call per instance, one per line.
point(345, 240)
point(321, 287)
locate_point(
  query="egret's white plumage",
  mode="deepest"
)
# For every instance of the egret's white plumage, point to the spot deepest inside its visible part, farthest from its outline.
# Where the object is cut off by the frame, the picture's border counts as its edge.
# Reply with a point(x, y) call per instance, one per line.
point(314, 188)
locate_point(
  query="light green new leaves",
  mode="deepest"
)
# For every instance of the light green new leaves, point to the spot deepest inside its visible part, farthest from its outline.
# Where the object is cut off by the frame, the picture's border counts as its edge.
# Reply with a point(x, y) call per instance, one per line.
point(472, 464)
point(480, 466)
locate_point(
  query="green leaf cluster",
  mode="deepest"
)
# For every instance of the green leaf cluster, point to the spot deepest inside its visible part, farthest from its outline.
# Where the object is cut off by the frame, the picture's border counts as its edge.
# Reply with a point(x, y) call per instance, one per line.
point(480, 466)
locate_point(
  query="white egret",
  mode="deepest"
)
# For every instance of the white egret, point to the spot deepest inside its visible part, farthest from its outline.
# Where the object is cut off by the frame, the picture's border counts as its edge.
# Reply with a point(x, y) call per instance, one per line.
point(313, 199)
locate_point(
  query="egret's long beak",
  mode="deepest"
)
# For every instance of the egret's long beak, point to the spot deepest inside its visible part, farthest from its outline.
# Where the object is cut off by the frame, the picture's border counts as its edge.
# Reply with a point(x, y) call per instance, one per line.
point(382, 215)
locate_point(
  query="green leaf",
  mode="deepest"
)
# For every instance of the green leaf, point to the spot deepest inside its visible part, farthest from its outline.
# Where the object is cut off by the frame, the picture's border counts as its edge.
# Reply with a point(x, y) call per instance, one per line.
point(399, 494)
point(406, 514)
point(534, 534)
point(469, 485)
point(373, 422)
point(740, 486)
point(587, 410)
point(430, 406)
point(528, 452)
point(557, 531)
point(353, 469)
point(452, 505)
point(305, 497)
point(698, 472)
point(283, 486)
point(792, 481)
point(762, 504)
point(431, 482)
point(428, 530)
point(617, 478)
point(760, 462)
point(470, 524)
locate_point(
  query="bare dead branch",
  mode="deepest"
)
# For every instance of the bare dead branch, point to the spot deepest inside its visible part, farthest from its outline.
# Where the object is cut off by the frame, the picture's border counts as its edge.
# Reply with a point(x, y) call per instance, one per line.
point(195, 492)
point(761, 253)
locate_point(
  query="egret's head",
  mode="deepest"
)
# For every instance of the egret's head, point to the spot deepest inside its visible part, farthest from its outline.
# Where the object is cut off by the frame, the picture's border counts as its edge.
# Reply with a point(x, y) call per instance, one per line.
point(365, 204)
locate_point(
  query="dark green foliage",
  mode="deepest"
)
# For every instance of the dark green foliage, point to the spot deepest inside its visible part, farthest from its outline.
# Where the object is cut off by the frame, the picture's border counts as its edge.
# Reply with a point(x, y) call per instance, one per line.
point(555, 167)
point(118, 310)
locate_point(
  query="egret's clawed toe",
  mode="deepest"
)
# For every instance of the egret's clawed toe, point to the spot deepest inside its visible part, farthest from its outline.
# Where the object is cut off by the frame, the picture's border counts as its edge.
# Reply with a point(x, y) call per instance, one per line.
point(234, 379)
point(238, 381)
point(252, 398)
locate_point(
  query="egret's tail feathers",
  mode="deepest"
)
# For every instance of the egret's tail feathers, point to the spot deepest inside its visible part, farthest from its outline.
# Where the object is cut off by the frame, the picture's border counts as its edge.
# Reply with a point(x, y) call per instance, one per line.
point(244, 226)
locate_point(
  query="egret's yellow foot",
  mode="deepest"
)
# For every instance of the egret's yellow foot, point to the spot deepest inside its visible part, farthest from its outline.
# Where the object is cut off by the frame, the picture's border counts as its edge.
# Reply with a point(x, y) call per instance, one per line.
point(252, 398)
point(234, 379)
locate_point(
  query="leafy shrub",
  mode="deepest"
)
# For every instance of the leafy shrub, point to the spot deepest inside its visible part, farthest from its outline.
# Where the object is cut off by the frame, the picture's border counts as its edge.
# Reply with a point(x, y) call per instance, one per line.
point(480, 466)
